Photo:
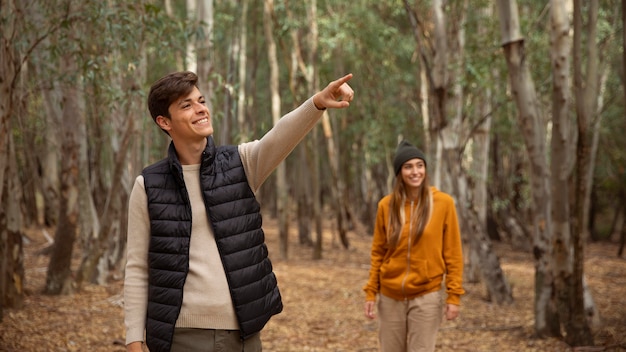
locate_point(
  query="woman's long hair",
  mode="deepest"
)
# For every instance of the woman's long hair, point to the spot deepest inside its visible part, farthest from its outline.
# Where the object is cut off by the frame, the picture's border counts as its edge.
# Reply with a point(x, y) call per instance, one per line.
point(420, 216)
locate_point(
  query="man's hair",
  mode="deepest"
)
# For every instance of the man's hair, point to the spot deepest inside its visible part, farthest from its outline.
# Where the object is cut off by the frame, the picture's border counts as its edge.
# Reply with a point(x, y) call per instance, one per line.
point(167, 90)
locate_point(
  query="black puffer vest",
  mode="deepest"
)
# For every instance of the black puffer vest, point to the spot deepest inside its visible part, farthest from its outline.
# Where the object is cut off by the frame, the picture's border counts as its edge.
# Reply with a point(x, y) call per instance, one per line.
point(234, 214)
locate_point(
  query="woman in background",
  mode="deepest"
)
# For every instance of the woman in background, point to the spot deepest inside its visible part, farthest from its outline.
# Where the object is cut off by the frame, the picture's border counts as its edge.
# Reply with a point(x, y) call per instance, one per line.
point(416, 251)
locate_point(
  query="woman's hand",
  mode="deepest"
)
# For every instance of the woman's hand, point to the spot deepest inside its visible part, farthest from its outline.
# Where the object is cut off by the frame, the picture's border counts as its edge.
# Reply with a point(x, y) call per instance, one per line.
point(369, 309)
point(452, 311)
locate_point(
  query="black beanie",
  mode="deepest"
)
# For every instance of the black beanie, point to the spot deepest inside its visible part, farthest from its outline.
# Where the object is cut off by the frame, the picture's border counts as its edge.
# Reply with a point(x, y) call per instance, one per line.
point(405, 152)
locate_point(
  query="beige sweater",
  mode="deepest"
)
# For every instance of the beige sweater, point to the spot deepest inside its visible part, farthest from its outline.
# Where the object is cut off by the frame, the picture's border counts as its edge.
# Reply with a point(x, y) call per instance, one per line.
point(206, 300)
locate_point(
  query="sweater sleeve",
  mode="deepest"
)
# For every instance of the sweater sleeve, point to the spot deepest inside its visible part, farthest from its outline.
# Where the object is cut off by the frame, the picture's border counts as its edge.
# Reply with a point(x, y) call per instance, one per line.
point(453, 256)
point(136, 274)
point(261, 157)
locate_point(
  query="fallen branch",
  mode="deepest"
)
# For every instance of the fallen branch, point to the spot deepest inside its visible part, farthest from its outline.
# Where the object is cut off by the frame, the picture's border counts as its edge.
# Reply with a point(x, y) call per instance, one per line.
point(598, 348)
point(487, 328)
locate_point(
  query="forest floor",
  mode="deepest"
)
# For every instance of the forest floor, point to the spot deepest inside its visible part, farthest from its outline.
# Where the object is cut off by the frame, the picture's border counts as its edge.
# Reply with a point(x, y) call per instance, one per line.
point(323, 305)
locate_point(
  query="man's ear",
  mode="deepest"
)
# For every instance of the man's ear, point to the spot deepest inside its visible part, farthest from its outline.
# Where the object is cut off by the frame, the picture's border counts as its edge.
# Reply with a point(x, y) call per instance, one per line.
point(163, 122)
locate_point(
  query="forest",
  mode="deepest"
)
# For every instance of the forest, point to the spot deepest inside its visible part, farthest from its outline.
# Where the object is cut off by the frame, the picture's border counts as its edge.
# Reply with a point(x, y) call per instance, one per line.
point(518, 104)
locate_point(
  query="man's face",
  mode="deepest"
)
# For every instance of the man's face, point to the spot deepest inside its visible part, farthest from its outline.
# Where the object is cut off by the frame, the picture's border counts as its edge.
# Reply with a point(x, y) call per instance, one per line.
point(190, 118)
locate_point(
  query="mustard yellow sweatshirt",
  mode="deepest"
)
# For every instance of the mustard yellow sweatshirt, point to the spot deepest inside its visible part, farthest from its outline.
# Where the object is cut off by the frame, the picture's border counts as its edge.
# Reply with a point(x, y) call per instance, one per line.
point(413, 269)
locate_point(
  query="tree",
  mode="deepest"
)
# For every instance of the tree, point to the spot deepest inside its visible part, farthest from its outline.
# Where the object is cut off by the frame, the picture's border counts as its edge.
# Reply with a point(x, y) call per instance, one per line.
point(282, 201)
point(566, 245)
point(578, 332)
point(18, 41)
point(450, 133)
point(530, 122)
point(58, 278)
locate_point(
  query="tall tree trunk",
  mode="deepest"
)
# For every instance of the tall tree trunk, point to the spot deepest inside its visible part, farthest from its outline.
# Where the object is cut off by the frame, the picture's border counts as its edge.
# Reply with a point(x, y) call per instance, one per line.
point(337, 186)
point(301, 173)
point(531, 125)
point(282, 199)
point(12, 261)
point(339, 204)
point(308, 191)
point(11, 251)
point(58, 279)
point(316, 195)
point(578, 332)
point(95, 263)
point(561, 161)
point(303, 197)
point(191, 61)
point(622, 239)
point(8, 68)
point(244, 131)
point(226, 126)
point(204, 47)
point(313, 142)
point(50, 158)
point(452, 138)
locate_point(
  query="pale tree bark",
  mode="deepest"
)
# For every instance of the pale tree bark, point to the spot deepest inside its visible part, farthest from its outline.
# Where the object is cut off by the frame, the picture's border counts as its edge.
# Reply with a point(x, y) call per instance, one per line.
point(302, 173)
point(92, 173)
point(58, 279)
point(574, 319)
point(191, 63)
point(244, 131)
point(561, 161)
point(11, 247)
point(439, 96)
point(622, 242)
point(104, 245)
point(309, 202)
point(478, 147)
point(204, 46)
point(12, 63)
point(337, 185)
point(312, 143)
point(595, 140)
point(169, 10)
point(452, 136)
point(226, 123)
point(107, 186)
point(9, 66)
point(530, 121)
point(282, 198)
point(95, 264)
point(50, 160)
point(431, 80)
point(316, 214)
point(199, 48)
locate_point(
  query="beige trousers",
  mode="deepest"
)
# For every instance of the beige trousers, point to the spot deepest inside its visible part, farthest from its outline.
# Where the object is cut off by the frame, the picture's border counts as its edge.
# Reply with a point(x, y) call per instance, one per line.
point(209, 340)
point(411, 325)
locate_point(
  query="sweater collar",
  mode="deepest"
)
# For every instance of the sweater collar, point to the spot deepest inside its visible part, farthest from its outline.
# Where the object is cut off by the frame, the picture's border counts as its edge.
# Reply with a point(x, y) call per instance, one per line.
point(208, 155)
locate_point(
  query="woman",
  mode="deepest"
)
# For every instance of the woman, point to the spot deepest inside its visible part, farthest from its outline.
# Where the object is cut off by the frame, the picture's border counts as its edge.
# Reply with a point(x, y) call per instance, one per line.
point(415, 248)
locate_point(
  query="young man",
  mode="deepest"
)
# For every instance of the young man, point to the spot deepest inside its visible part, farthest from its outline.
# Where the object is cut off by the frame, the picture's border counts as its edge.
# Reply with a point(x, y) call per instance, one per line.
point(197, 272)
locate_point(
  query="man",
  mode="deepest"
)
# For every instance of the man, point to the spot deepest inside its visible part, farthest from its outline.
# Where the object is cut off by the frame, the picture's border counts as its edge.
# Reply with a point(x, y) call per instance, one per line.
point(197, 272)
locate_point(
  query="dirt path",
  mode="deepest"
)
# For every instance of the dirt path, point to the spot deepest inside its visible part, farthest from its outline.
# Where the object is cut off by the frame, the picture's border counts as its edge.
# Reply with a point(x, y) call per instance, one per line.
point(323, 306)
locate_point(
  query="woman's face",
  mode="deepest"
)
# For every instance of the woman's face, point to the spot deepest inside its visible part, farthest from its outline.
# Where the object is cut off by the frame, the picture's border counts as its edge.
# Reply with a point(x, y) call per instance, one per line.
point(413, 173)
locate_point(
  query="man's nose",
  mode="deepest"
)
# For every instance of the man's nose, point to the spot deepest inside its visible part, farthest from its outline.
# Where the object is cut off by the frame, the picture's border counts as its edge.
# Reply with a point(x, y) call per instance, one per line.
point(200, 107)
